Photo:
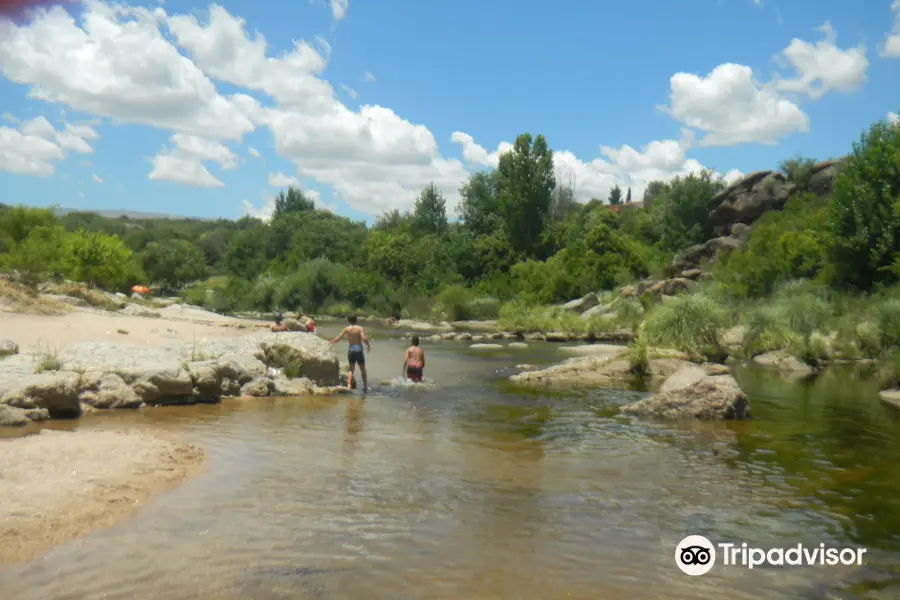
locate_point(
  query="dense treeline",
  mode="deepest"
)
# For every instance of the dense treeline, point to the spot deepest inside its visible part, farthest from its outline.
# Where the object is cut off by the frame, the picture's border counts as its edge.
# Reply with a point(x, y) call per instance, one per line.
point(518, 234)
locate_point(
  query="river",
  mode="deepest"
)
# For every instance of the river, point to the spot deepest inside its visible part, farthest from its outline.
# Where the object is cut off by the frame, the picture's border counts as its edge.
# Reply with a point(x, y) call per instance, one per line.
point(474, 490)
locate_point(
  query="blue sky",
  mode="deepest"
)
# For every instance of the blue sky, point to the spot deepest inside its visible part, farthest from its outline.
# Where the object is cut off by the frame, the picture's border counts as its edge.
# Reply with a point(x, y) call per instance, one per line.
point(596, 78)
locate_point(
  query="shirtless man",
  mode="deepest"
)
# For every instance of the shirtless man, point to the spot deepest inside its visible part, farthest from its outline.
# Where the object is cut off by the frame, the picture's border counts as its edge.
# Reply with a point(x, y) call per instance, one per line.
point(356, 337)
point(414, 361)
point(278, 325)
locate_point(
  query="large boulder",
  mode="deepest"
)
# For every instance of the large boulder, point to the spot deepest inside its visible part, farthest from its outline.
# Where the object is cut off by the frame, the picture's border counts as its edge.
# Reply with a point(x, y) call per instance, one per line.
point(821, 182)
point(783, 361)
point(746, 200)
point(707, 252)
point(715, 397)
point(56, 391)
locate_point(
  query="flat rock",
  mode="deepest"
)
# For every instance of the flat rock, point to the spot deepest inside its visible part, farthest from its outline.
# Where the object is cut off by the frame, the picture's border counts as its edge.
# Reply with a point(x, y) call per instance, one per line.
point(13, 417)
point(136, 310)
point(891, 397)
point(476, 325)
point(422, 326)
point(596, 371)
point(517, 345)
point(688, 375)
point(783, 361)
point(582, 304)
point(712, 398)
point(594, 349)
point(486, 346)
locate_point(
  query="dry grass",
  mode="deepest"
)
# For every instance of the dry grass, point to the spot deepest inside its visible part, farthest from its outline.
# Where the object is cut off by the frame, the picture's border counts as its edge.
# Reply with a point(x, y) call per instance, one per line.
point(94, 298)
point(15, 297)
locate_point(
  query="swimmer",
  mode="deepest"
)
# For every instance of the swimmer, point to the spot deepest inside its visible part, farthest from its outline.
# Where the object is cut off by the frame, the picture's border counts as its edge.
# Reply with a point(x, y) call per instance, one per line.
point(414, 361)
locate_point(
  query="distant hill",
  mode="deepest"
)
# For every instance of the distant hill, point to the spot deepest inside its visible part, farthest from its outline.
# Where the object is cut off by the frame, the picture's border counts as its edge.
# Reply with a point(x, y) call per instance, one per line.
point(131, 214)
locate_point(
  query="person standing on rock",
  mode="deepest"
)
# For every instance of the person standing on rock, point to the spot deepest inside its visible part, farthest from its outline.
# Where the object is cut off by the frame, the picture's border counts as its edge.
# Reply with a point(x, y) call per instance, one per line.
point(356, 337)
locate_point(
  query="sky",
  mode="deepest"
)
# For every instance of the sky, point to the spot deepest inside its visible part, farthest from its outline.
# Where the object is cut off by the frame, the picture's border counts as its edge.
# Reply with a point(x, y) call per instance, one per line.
point(204, 110)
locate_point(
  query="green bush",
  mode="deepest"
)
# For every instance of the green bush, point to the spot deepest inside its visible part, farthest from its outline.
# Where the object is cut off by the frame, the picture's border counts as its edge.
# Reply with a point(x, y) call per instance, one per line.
point(97, 259)
point(690, 323)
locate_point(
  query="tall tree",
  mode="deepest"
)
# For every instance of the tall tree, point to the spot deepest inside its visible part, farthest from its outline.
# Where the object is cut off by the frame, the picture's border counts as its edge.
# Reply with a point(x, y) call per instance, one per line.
point(653, 190)
point(628, 196)
point(294, 201)
point(615, 195)
point(479, 205)
point(525, 190)
point(430, 212)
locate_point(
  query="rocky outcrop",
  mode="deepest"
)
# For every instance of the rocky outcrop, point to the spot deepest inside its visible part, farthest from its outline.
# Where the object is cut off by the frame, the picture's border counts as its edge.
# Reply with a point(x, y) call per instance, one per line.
point(821, 181)
point(705, 253)
point(746, 200)
point(118, 375)
point(688, 394)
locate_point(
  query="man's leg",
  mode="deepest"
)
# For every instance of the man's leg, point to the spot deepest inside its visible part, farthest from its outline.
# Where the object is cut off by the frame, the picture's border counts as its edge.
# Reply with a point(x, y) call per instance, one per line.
point(350, 376)
point(362, 369)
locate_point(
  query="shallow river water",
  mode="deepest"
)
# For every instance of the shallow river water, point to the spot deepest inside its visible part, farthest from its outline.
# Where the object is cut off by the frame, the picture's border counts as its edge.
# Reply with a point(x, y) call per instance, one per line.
point(473, 490)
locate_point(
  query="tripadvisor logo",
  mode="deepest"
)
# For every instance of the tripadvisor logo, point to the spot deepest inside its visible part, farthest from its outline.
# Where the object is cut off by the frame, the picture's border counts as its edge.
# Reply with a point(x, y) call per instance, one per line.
point(696, 555)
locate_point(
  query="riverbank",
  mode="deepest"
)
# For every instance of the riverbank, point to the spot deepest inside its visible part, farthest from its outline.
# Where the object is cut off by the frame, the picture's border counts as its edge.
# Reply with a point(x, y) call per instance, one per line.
point(57, 486)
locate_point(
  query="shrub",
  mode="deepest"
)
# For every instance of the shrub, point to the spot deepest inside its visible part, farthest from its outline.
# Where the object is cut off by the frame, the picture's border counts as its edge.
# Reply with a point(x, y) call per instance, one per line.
point(692, 324)
point(97, 259)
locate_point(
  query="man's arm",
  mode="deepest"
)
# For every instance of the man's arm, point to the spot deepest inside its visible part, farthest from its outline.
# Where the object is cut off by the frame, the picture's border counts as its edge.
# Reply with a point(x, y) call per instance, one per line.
point(366, 340)
point(405, 362)
point(338, 338)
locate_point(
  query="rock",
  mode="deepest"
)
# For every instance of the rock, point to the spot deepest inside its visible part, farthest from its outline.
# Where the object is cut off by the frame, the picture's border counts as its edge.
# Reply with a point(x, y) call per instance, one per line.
point(294, 325)
point(137, 310)
point(55, 391)
point(421, 326)
point(486, 346)
point(526, 367)
point(258, 387)
point(682, 378)
point(740, 232)
point(535, 337)
point(557, 336)
point(891, 397)
point(580, 305)
point(463, 337)
point(476, 325)
point(8, 348)
point(746, 200)
point(596, 371)
point(691, 274)
point(478, 338)
point(734, 337)
point(13, 417)
point(517, 345)
point(783, 361)
point(111, 392)
point(292, 387)
point(70, 300)
point(37, 414)
point(594, 349)
point(821, 181)
point(122, 331)
point(708, 398)
point(708, 251)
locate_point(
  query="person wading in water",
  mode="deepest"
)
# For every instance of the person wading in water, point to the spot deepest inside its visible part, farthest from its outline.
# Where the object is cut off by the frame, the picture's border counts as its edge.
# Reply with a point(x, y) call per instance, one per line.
point(356, 337)
point(414, 361)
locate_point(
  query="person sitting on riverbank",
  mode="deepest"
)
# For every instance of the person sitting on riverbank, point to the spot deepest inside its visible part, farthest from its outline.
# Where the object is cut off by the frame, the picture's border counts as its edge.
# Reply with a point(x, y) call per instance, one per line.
point(356, 337)
point(311, 325)
point(278, 326)
point(414, 361)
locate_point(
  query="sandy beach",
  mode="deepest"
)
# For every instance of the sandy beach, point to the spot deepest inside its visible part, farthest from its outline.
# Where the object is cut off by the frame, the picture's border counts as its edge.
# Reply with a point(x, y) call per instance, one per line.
point(57, 485)
point(60, 485)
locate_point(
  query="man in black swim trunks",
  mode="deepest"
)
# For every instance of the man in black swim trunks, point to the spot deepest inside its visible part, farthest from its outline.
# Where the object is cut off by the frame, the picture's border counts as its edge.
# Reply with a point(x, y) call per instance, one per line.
point(355, 356)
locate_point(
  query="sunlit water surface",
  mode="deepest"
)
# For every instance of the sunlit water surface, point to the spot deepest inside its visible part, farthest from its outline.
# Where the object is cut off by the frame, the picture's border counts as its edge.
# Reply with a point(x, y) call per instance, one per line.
point(468, 489)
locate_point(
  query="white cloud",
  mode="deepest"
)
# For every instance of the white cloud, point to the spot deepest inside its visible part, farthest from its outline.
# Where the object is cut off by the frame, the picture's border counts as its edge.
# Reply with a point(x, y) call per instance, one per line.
point(823, 67)
point(27, 154)
point(184, 163)
point(891, 47)
point(116, 64)
point(731, 107)
point(369, 78)
point(30, 149)
point(253, 152)
point(97, 179)
point(339, 9)
point(893, 117)
point(350, 91)
point(281, 180)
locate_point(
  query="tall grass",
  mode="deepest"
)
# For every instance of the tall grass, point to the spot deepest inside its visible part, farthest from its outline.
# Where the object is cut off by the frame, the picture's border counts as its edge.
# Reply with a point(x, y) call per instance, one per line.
point(691, 324)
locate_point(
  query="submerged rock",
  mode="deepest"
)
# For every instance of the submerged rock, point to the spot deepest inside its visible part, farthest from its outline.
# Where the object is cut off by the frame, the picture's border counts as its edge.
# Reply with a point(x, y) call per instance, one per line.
point(713, 398)
point(783, 361)
point(13, 417)
point(8, 348)
point(891, 397)
point(486, 346)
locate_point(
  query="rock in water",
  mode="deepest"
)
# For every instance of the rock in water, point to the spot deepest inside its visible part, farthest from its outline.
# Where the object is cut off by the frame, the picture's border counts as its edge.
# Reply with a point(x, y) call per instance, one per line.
point(712, 398)
point(13, 417)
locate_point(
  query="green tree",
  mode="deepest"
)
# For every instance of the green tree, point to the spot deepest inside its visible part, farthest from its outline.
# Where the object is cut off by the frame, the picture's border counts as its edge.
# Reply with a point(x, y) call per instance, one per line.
point(294, 201)
point(615, 195)
point(865, 211)
point(173, 264)
point(682, 210)
point(798, 171)
point(38, 256)
point(479, 208)
point(430, 212)
point(628, 196)
point(654, 190)
point(525, 190)
point(97, 259)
